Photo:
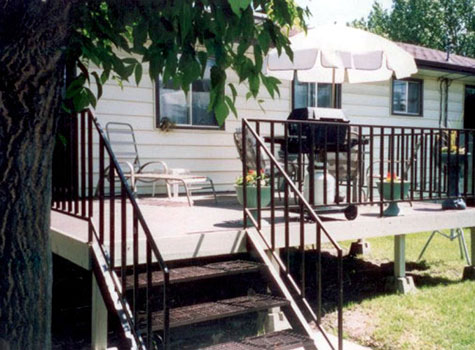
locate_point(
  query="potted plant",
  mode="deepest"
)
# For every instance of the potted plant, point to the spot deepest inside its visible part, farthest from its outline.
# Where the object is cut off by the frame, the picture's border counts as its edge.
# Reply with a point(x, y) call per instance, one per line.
point(252, 178)
point(384, 187)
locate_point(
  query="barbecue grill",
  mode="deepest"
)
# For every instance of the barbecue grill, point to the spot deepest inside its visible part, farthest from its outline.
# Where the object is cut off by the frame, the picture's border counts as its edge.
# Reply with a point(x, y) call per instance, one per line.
point(323, 139)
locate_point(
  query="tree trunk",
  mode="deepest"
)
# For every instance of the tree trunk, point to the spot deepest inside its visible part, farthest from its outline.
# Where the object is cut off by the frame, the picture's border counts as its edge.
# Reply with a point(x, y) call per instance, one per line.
point(32, 37)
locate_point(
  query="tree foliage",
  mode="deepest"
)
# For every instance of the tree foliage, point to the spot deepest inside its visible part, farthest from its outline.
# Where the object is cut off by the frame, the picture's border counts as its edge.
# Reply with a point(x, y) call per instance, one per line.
point(435, 24)
point(106, 39)
point(176, 38)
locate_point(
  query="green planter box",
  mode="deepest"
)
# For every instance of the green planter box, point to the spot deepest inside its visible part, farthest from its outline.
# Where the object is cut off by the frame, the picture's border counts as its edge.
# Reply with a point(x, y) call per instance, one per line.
point(251, 198)
point(385, 191)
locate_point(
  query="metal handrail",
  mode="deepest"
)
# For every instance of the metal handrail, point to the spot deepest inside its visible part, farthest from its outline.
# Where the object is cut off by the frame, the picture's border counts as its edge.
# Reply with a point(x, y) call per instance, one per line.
point(78, 202)
point(304, 205)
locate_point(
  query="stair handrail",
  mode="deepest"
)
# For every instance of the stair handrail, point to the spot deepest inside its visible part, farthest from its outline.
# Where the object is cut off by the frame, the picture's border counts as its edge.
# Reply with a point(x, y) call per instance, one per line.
point(75, 205)
point(319, 224)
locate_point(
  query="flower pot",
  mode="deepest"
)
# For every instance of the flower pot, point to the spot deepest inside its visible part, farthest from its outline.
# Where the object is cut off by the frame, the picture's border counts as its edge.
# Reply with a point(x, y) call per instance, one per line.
point(385, 191)
point(251, 195)
point(251, 198)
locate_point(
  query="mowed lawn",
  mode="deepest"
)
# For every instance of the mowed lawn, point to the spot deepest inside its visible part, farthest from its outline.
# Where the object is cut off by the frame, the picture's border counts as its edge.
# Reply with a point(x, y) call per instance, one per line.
point(439, 316)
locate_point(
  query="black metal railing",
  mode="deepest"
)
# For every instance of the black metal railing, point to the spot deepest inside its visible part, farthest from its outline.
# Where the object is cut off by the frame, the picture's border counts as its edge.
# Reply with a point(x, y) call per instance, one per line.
point(277, 209)
point(373, 164)
point(113, 209)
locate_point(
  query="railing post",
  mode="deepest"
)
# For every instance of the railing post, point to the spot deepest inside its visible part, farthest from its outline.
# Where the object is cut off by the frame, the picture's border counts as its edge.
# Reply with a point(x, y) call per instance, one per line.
point(244, 172)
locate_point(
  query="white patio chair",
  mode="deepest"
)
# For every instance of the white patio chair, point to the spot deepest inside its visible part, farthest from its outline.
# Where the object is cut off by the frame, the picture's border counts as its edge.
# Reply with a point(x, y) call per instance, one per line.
point(122, 139)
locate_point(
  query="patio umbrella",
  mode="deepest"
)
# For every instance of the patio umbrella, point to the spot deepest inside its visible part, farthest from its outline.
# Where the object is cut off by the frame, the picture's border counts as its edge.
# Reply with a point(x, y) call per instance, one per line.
point(337, 54)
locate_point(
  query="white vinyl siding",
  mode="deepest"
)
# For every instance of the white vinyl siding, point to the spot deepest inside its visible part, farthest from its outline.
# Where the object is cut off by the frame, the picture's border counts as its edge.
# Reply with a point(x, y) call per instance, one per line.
point(213, 153)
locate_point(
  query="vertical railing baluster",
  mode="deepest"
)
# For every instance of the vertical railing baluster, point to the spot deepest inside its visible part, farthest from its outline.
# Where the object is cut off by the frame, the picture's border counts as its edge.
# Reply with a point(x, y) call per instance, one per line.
point(101, 190)
point(325, 165)
point(76, 169)
point(311, 166)
point(112, 211)
point(403, 162)
point(135, 269)
point(244, 171)
point(123, 238)
point(431, 161)
point(371, 160)
point(148, 292)
point(381, 172)
point(259, 171)
point(272, 187)
point(465, 169)
point(439, 161)
point(90, 167)
point(391, 161)
point(423, 165)
point(340, 299)
point(286, 195)
point(319, 273)
point(83, 164)
point(360, 167)
point(348, 166)
point(337, 164)
point(472, 175)
point(415, 163)
point(166, 310)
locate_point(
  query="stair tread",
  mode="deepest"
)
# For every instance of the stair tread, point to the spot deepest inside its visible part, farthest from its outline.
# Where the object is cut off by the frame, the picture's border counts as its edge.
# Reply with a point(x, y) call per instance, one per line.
point(186, 315)
point(282, 340)
point(192, 273)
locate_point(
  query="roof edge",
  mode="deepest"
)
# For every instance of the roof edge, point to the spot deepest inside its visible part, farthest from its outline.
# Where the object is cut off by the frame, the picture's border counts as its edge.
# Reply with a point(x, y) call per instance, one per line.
point(447, 67)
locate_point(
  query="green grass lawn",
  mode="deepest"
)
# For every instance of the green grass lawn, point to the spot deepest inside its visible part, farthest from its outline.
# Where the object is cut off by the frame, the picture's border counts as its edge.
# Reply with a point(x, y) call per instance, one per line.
point(440, 315)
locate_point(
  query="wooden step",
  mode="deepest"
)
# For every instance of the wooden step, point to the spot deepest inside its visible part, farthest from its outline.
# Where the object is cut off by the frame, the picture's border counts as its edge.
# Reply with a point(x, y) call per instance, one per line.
point(193, 273)
point(283, 340)
point(186, 315)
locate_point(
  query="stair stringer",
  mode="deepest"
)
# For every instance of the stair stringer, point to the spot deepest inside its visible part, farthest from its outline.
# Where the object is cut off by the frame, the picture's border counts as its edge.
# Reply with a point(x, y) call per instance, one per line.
point(297, 319)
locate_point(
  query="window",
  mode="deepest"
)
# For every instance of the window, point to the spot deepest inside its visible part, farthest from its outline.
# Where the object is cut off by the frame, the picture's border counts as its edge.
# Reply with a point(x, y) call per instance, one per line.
point(186, 110)
point(407, 97)
point(315, 95)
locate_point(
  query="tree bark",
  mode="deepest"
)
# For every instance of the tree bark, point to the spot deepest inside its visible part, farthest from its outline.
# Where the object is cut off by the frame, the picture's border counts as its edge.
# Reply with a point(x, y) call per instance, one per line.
point(33, 35)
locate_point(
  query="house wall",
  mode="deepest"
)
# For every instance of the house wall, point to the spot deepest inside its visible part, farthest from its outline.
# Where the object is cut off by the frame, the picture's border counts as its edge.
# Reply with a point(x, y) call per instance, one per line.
point(212, 152)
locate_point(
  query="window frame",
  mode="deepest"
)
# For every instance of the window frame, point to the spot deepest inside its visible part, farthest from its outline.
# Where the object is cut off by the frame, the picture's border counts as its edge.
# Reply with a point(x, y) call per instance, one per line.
point(338, 92)
point(421, 102)
point(158, 117)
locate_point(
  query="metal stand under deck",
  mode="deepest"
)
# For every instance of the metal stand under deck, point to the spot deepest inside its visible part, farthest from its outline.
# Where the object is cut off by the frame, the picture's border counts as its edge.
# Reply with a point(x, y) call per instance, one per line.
point(456, 233)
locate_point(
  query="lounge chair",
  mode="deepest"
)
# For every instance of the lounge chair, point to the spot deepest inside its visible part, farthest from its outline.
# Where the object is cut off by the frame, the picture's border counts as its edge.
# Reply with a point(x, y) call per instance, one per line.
point(122, 139)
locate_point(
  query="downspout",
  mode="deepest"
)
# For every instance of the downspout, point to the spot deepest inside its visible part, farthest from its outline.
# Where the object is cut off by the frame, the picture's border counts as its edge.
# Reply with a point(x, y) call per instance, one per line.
point(444, 84)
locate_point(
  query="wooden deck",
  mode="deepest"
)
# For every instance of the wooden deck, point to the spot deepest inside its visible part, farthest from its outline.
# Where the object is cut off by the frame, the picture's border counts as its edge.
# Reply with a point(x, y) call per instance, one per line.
point(214, 229)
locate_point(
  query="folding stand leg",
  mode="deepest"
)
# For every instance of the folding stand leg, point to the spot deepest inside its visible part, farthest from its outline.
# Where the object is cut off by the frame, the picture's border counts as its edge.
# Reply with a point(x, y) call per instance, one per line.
point(469, 271)
point(458, 234)
point(463, 243)
point(426, 245)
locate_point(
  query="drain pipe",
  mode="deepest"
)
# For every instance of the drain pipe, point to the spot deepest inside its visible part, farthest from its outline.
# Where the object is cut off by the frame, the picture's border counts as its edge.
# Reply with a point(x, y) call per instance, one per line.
point(444, 84)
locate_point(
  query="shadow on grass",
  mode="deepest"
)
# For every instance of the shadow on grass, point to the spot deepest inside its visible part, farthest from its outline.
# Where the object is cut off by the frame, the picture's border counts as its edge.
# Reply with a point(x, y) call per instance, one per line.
point(362, 279)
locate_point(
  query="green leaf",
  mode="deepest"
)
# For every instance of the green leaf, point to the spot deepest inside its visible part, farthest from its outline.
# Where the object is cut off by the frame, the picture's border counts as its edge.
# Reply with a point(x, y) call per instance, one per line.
point(185, 20)
point(138, 73)
point(83, 69)
point(76, 86)
point(130, 60)
point(140, 34)
point(233, 91)
point(98, 83)
point(231, 105)
point(221, 111)
point(91, 97)
point(254, 84)
point(238, 5)
point(80, 101)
